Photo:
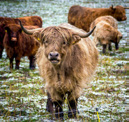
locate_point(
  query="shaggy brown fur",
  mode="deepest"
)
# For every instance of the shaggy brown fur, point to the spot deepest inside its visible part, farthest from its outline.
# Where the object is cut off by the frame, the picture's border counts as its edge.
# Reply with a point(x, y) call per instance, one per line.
point(19, 44)
point(106, 32)
point(67, 63)
point(3, 22)
point(31, 20)
point(28, 20)
point(109, 19)
point(82, 17)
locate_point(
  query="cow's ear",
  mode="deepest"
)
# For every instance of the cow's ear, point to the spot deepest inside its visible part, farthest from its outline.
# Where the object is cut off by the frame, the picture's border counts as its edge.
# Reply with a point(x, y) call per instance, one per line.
point(6, 28)
point(75, 39)
point(112, 7)
point(37, 35)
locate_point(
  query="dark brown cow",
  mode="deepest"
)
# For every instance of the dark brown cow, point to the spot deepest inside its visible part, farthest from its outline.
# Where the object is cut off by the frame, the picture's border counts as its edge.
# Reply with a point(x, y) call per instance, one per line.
point(18, 44)
point(82, 17)
point(29, 20)
point(3, 22)
point(67, 60)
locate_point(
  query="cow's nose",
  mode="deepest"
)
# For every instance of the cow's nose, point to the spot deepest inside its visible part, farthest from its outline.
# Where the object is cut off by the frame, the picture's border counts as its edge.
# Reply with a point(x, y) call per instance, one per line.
point(14, 39)
point(53, 55)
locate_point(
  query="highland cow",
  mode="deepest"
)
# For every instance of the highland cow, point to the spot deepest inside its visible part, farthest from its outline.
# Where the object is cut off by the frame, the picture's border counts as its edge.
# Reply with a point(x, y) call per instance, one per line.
point(67, 60)
point(18, 44)
point(28, 20)
point(82, 17)
point(106, 32)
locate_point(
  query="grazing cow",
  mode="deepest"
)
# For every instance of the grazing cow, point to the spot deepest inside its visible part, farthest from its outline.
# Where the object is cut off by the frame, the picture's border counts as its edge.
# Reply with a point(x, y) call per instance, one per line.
point(18, 44)
point(67, 60)
point(106, 32)
point(82, 17)
point(29, 20)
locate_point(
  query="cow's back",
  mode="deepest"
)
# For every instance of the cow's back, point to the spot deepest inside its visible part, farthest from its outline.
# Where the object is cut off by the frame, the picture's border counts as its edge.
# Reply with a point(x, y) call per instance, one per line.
point(31, 20)
point(109, 19)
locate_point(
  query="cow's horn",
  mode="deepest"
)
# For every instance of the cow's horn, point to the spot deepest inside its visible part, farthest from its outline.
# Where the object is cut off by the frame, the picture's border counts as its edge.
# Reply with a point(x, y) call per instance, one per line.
point(84, 35)
point(30, 32)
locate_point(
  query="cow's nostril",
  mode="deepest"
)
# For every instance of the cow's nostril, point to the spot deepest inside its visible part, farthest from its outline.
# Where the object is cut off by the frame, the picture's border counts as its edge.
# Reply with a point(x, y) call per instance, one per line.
point(56, 54)
point(50, 54)
point(53, 54)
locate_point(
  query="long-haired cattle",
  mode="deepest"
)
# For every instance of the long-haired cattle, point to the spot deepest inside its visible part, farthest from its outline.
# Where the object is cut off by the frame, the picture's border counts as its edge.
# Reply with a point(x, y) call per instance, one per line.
point(106, 32)
point(82, 17)
point(3, 22)
point(18, 44)
point(28, 20)
point(67, 60)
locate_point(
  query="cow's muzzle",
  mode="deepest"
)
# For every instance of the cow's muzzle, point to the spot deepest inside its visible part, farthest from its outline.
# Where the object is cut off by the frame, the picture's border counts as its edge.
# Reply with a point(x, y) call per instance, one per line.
point(54, 57)
point(14, 39)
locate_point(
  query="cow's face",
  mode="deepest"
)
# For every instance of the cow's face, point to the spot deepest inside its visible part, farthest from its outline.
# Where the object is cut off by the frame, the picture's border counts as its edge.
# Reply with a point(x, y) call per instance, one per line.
point(13, 30)
point(117, 37)
point(119, 13)
point(57, 41)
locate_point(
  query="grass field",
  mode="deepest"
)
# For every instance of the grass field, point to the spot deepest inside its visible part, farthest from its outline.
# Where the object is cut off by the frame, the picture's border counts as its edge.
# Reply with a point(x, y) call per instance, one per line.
point(22, 92)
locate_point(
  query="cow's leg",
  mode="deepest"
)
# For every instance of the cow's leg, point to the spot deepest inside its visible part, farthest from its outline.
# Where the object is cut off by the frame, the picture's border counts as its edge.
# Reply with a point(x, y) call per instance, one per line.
point(58, 109)
point(1, 51)
point(49, 106)
point(11, 63)
point(32, 62)
point(104, 48)
point(72, 105)
point(109, 47)
point(17, 63)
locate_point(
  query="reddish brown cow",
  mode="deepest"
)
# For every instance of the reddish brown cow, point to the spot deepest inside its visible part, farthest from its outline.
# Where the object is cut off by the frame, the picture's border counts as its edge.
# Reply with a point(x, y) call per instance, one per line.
point(29, 20)
point(67, 60)
point(82, 17)
point(19, 44)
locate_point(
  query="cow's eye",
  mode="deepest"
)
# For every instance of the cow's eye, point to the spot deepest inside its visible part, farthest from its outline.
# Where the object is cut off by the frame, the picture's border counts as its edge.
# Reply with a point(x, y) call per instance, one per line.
point(64, 43)
point(45, 43)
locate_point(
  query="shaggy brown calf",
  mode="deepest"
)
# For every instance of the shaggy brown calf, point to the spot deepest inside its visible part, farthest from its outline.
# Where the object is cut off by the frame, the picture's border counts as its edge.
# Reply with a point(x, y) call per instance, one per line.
point(106, 32)
point(28, 20)
point(18, 44)
point(82, 17)
point(67, 60)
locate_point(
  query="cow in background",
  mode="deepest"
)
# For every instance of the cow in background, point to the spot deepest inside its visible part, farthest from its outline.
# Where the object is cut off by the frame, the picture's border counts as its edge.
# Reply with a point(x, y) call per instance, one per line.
point(18, 44)
point(106, 32)
point(67, 60)
point(82, 17)
point(28, 20)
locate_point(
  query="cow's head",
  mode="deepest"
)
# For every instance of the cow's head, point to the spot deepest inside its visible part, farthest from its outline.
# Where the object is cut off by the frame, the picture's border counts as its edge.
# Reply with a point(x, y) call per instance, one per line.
point(56, 40)
point(117, 37)
point(13, 31)
point(118, 13)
